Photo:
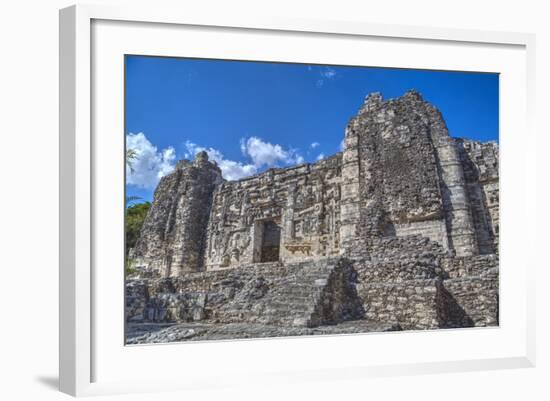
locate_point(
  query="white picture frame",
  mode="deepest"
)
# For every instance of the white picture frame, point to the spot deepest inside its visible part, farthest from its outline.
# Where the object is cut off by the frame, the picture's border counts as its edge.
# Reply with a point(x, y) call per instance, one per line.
point(83, 340)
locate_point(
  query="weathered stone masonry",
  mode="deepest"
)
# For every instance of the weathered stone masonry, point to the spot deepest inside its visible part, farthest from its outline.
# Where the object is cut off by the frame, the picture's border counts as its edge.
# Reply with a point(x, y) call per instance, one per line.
point(174, 232)
point(408, 176)
point(400, 228)
point(297, 207)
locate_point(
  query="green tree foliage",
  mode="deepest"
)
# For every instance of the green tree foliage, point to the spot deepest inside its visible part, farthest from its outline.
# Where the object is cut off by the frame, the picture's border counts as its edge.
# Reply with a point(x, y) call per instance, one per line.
point(135, 215)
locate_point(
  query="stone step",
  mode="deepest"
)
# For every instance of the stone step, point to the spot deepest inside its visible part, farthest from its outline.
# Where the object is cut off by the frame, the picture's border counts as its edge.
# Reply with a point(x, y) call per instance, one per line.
point(272, 294)
point(290, 300)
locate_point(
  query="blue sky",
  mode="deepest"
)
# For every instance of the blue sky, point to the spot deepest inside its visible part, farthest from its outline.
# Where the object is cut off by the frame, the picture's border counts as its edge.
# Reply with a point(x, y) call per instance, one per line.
point(251, 115)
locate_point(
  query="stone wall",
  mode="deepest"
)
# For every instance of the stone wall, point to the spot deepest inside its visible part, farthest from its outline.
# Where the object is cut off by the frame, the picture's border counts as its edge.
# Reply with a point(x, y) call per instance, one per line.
point(470, 302)
point(413, 304)
point(398, 173)
point(419, 290)
point(414, 283)
point(405, 175)
point(469, 266)
point(303, 201)
point(429, 303)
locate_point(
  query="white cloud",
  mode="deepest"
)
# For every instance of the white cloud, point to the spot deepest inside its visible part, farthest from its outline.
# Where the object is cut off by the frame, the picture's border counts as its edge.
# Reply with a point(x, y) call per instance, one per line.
point(231, 170)
point(314, 145)
point(328, 73)
point(243, 146)
point(266, 154)
point(260, 153)
point(150, 164)
point(321, 156)
point(342, 145)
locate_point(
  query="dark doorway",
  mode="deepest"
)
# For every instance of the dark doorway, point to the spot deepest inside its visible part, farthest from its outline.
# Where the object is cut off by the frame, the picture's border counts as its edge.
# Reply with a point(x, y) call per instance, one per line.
point(271, 242)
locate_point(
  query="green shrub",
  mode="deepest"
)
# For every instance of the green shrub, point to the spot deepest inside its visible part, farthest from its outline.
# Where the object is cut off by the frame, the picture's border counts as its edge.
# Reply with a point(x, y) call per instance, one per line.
point(135, 216)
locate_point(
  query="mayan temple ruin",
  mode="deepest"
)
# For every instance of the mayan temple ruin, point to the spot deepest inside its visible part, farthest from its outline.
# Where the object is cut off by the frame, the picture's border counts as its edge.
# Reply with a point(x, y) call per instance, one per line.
point(399, 231)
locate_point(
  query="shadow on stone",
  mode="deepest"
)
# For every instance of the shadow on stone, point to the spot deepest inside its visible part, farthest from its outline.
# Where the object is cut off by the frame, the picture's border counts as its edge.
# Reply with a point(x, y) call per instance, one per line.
point(450, 313)
point(339, 300)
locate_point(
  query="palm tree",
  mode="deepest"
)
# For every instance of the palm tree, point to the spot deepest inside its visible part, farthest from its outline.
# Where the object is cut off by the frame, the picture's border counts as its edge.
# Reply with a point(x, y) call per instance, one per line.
point(131, 155)
point(131, 199)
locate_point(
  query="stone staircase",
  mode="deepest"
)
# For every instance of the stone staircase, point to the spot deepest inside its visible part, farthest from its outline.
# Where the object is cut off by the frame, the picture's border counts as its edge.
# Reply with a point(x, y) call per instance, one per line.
point(289, 299)
point(303, 294)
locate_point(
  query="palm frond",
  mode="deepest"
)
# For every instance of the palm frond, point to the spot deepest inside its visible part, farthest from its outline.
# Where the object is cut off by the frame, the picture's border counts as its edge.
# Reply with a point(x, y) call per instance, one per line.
point(131, 155)
point(130, 199)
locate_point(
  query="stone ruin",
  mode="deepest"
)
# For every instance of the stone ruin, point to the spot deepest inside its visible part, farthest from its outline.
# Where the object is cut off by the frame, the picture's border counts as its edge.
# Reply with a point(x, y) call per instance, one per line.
point(400, 230)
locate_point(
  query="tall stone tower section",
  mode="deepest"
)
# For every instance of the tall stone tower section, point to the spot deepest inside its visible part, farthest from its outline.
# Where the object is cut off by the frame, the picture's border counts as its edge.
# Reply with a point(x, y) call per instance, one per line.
point(350, 202)
point(173, 237)
point(402, 175)
point(456, 203)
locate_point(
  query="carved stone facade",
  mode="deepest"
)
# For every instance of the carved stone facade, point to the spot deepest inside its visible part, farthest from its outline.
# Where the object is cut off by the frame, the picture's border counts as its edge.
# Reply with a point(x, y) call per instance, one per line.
point(281, 215)
point(405, 221)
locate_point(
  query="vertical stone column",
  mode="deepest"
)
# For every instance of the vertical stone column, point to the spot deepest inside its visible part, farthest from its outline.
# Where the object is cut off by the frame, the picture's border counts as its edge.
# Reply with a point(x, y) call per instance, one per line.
point(287, 221)
point(456, 205)
point(350, 197)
